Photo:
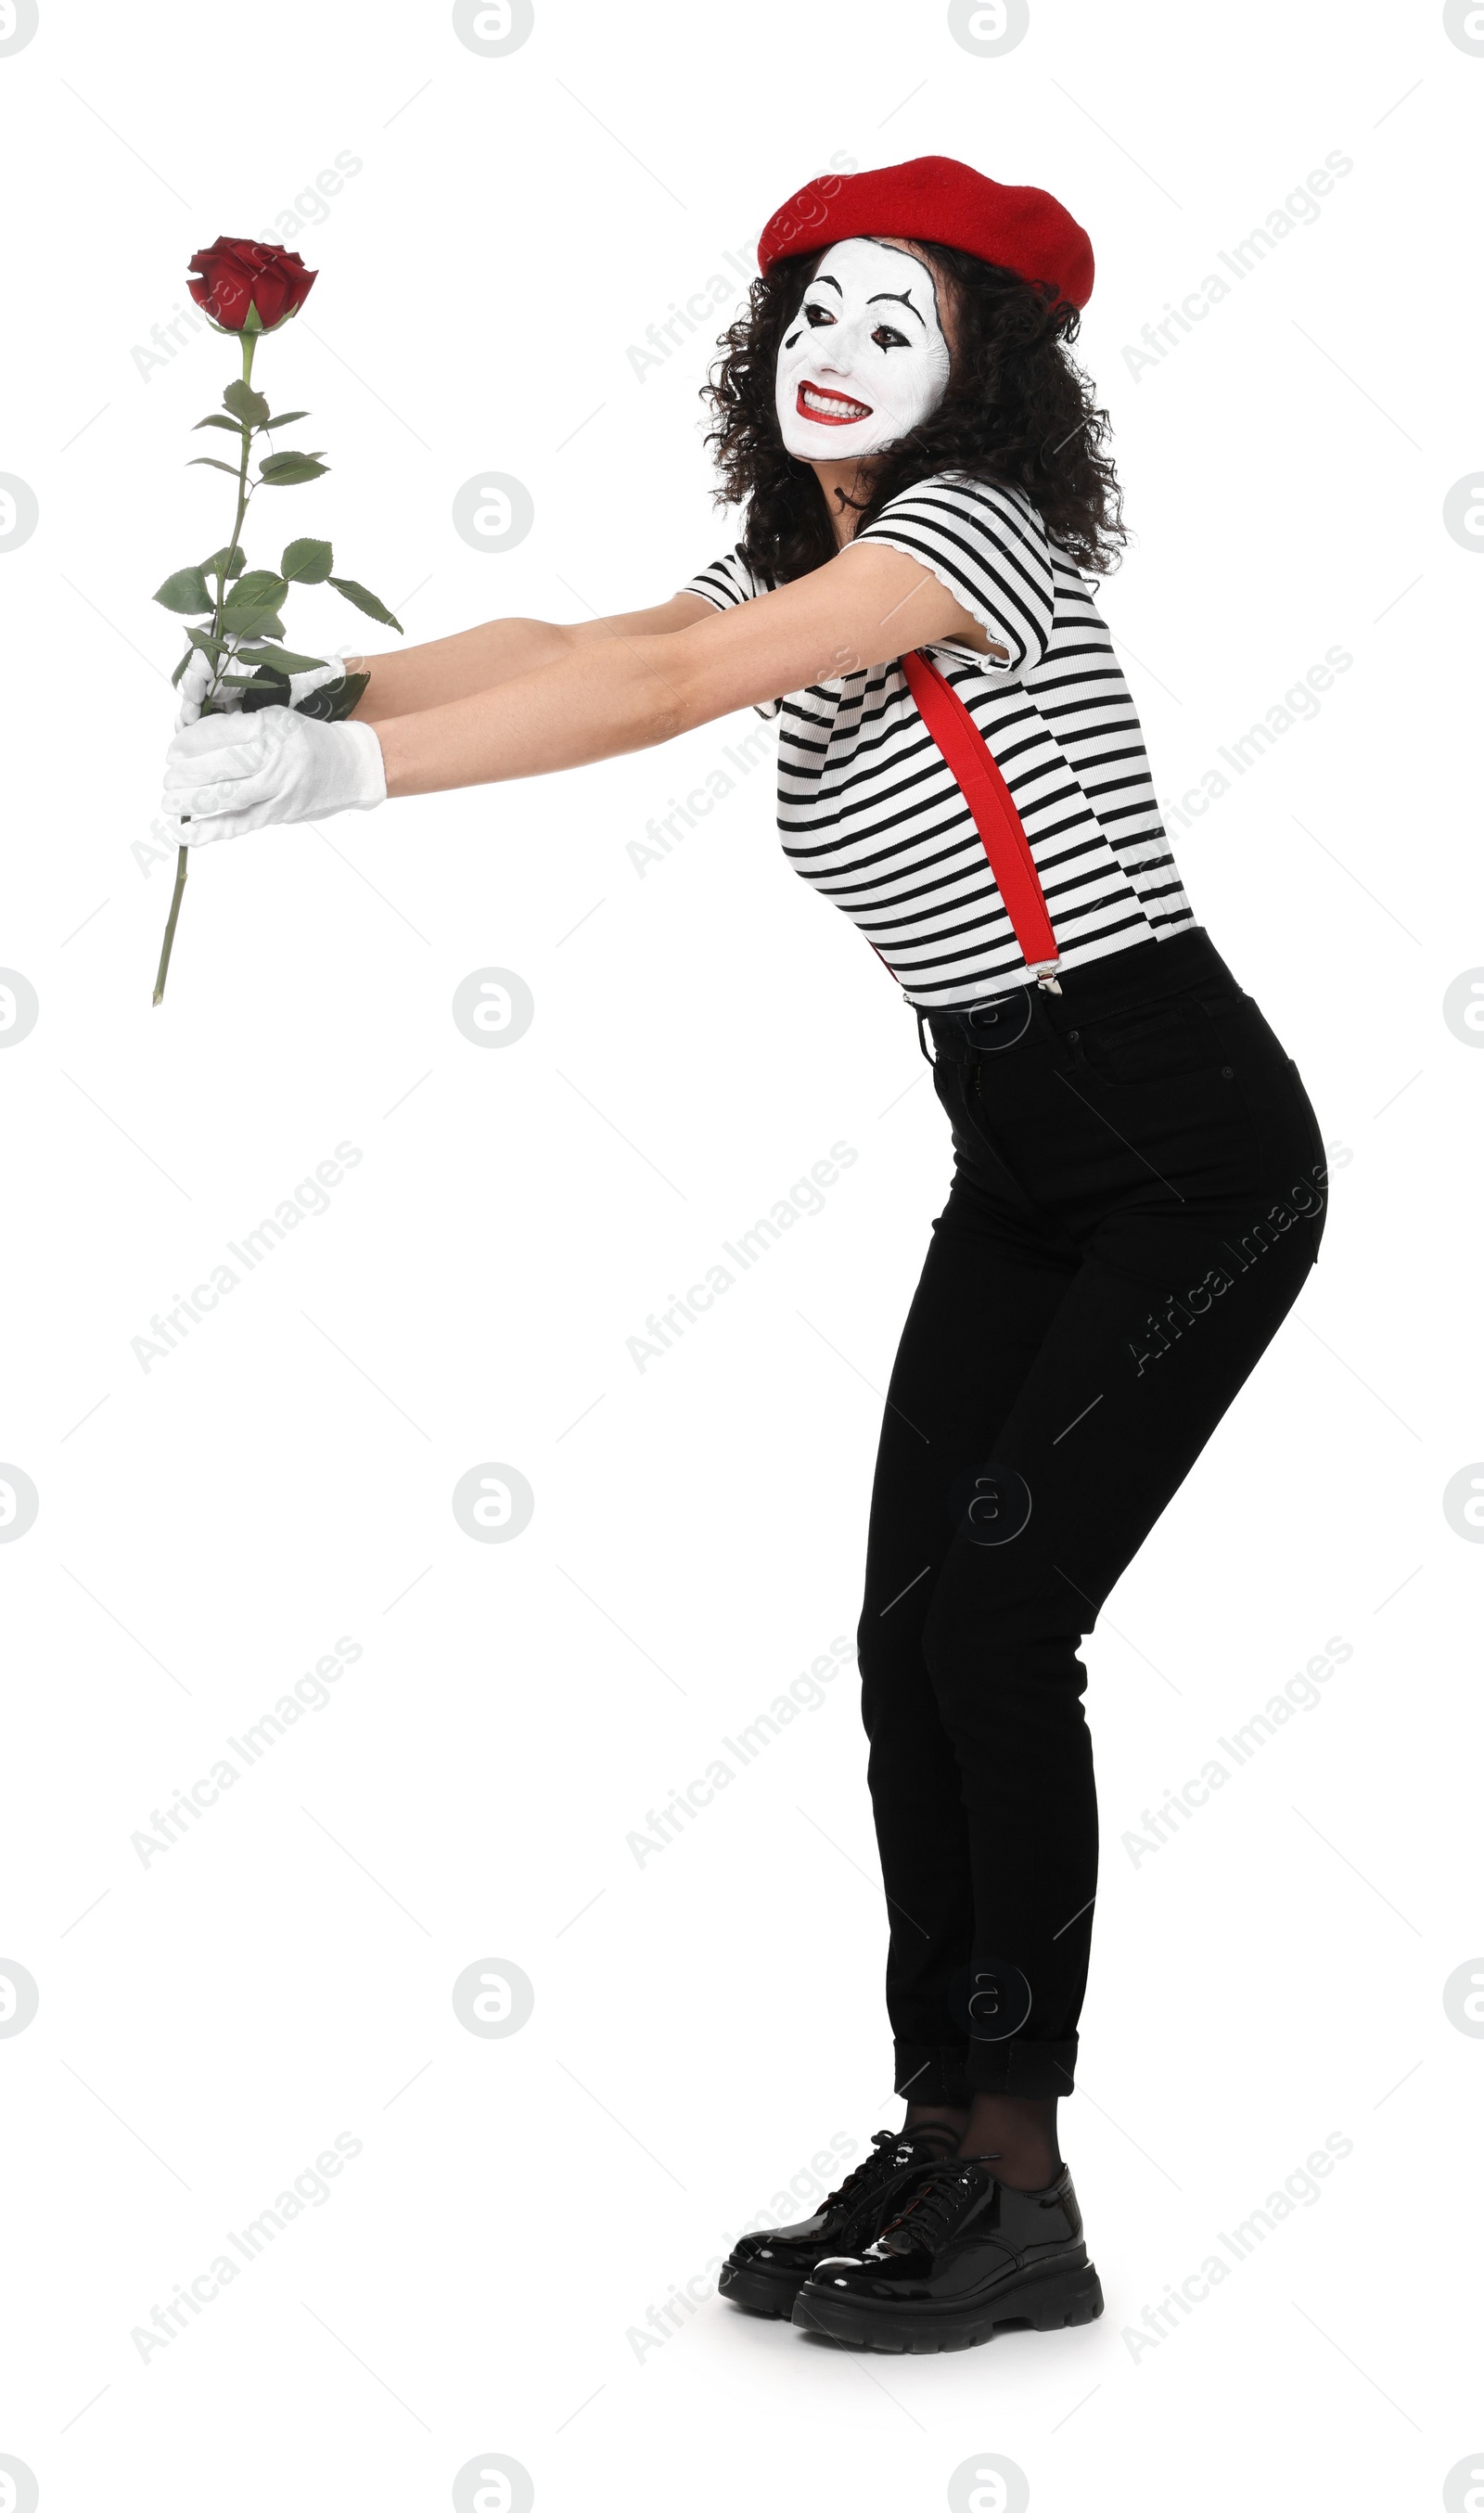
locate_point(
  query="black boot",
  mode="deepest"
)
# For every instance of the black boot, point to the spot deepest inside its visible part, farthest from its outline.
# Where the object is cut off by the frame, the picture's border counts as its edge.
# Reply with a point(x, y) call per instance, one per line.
point(766, 2270)
point(962, 2258)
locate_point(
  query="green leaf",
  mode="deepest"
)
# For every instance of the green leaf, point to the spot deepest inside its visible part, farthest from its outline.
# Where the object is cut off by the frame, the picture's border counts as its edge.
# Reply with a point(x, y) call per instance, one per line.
point(307, 562)
point(258, 590)
point(334, 700)
point(175, 678)
point(367, 602)
point(216, 419)
point(284, 419)
point(245, 404)
point(280, 659)
point(209, 645)
point(223, 562)
point(209, 463)
point(286, 470)
point(260, 622)
point(186, 591)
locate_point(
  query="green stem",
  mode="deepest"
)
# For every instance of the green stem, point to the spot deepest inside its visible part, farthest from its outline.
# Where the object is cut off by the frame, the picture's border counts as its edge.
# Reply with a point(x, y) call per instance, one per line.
point(249, 343)
point(170, 928)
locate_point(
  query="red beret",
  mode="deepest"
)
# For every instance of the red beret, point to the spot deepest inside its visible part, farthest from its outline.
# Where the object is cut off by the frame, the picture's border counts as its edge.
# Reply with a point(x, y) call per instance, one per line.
point(938, 201)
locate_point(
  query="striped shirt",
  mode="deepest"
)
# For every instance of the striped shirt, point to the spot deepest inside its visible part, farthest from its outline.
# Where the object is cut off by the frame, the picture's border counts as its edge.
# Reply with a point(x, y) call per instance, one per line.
point(870, 814)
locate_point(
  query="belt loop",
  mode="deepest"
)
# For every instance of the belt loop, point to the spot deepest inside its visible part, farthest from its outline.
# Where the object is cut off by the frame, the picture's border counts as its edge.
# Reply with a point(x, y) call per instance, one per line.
point(922, 1046)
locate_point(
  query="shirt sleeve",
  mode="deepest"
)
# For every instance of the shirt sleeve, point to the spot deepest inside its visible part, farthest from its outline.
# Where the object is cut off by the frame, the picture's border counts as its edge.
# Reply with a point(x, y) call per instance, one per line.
point(987, 546)
point(726, 581)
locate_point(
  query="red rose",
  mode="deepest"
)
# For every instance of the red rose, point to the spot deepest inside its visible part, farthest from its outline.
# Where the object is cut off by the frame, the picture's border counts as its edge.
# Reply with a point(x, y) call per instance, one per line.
point(233, 275)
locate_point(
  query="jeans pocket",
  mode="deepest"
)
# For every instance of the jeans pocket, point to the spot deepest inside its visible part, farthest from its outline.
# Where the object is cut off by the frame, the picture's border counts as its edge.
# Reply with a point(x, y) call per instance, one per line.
point(1147, 1043)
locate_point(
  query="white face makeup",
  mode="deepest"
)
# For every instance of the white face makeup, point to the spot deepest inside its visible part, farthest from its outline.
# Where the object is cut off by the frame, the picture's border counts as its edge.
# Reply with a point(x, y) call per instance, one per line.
point(865, 358)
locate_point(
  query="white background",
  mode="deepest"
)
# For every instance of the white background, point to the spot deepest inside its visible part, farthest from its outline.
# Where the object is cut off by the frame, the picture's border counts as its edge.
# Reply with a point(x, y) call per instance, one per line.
point(208, 1527)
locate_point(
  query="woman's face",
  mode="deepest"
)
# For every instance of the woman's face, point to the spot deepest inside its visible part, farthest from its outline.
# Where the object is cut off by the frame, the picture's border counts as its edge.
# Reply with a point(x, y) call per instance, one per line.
point(865, 358)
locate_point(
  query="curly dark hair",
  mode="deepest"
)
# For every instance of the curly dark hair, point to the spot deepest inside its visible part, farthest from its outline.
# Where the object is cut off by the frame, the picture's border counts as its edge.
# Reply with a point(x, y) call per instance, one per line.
point(1018, 411)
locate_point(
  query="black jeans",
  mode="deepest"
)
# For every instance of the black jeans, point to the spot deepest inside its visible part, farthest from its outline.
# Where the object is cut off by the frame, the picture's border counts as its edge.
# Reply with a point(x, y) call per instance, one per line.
point(1139, 1193)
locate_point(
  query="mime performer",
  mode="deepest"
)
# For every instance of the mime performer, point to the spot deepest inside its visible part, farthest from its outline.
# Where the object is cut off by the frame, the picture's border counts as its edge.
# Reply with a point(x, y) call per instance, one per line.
point(1138, 1178)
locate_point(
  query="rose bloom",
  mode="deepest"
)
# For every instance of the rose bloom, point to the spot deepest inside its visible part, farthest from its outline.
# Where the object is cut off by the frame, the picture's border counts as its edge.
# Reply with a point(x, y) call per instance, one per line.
point(227, 277)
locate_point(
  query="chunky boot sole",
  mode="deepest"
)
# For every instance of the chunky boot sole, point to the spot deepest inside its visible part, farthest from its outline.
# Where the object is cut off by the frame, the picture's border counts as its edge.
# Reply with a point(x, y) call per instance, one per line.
point(775, 2298)
point(1057, 2297)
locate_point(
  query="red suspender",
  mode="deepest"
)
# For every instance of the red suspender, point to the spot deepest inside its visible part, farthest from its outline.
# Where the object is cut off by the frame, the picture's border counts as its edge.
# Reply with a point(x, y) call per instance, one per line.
point(990, 799)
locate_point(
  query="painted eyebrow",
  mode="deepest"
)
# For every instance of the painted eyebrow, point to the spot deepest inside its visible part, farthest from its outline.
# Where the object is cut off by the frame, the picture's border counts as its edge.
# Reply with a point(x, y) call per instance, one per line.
point(823, 279)
point(890, 298)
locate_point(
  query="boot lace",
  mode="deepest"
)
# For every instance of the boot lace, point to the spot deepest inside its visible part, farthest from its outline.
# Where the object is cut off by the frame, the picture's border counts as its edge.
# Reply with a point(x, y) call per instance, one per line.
point(932, 2213)
point(872, 2168)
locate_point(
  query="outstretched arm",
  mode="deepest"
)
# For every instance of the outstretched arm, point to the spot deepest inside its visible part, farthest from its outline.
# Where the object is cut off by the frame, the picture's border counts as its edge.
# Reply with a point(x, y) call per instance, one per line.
point(480, 659)
point(610, 686)
point(620, 687)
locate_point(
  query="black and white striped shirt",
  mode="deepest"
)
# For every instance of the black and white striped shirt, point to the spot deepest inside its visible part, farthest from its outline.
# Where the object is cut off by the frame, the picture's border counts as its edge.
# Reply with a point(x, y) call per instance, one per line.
point(869, 812)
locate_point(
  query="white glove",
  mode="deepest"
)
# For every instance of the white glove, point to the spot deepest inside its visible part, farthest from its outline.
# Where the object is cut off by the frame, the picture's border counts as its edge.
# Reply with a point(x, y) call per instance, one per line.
point(194, 683)
point(229, 774)
point(200, 672)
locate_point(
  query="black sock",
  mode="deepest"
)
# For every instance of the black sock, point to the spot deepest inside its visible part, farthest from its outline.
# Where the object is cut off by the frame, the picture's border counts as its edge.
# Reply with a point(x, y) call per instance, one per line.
point(936, 2126)
point(1018, 2135)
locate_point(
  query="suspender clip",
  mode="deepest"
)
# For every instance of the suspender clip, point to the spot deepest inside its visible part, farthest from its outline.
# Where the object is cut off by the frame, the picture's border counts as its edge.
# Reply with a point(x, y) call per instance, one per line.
point(1044, 973)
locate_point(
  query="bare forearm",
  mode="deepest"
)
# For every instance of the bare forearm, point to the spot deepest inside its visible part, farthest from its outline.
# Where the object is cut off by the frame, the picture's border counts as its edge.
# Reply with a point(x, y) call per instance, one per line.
point(626, 683)
point(456, 668)
point(591, 702)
